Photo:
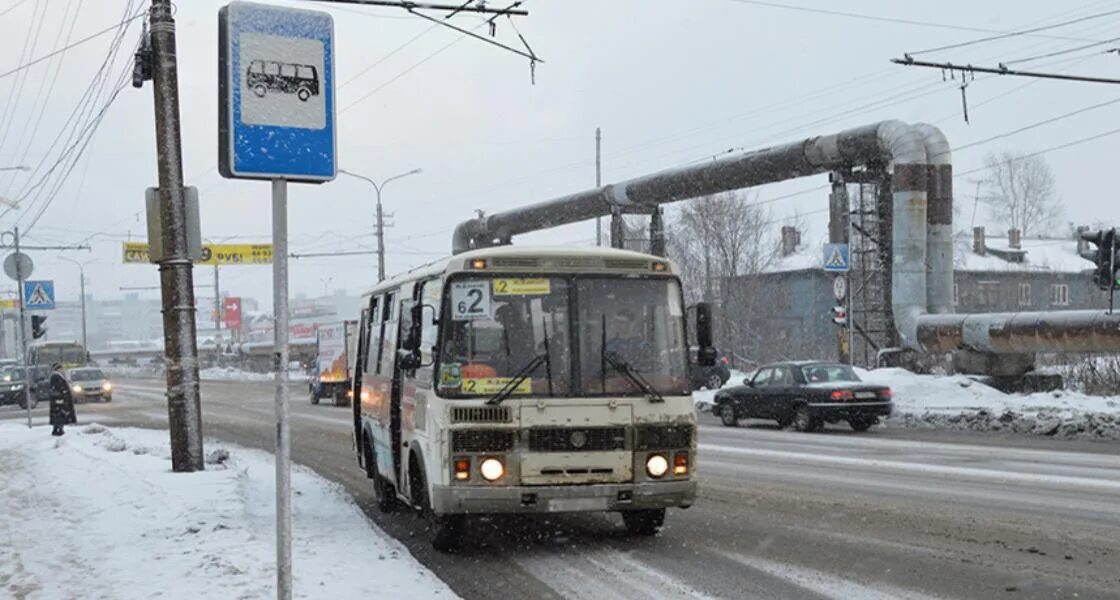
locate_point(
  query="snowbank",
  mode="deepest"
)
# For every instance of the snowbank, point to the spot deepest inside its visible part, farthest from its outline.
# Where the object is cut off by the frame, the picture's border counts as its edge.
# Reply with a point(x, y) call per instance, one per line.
point(98, 514)
point(208, 374)
point(958, 402)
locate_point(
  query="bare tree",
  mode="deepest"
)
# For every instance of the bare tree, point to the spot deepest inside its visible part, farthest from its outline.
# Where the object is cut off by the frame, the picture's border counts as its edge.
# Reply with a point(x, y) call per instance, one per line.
point(1021, 192)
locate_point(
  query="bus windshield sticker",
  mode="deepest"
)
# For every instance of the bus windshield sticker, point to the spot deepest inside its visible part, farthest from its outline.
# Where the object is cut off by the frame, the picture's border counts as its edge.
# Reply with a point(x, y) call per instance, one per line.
point(450, 376)
point(470, 300)
point(522, 287)
point(493, 385)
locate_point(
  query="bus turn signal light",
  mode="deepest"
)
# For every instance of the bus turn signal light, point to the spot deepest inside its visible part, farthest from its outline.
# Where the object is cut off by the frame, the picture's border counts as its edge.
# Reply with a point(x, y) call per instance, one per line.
point(680, 464)
point(462, 469)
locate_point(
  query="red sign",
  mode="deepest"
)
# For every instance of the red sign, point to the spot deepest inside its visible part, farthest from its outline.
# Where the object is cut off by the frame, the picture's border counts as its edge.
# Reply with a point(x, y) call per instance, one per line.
point(231, 307)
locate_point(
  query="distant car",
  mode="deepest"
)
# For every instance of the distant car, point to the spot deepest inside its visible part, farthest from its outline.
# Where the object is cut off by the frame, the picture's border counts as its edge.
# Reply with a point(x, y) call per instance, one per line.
point(12, 382)
point(712, 377)
point(89, 384)
point(805, 395)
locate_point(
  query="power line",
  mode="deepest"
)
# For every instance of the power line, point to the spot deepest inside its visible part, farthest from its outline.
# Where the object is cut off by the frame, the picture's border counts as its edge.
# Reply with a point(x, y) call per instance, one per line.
point(1069, 144)
point(968, 68)
point(1058, 52)
point(895, 20)
point(12, 7)
point(74, 45)
point(1020, 32)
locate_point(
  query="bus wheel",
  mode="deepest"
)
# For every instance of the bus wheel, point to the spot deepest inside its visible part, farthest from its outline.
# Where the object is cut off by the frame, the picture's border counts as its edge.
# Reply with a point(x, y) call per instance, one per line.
point(384, 491)
point(643, 522)
point(303, 94)
point(314, 396)
point(446, 530)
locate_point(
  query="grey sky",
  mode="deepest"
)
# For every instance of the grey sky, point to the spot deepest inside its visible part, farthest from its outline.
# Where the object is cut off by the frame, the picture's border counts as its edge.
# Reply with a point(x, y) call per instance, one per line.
point(668, 81)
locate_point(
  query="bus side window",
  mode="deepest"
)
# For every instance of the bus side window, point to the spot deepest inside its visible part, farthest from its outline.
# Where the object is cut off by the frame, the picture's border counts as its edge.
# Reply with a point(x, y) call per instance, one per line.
point(387, 348)
point(373, 340)
point(429, 331)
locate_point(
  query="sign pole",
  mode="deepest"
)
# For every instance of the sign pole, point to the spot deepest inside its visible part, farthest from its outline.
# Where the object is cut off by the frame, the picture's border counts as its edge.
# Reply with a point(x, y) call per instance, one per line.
point(23, 333)
point(280, 357)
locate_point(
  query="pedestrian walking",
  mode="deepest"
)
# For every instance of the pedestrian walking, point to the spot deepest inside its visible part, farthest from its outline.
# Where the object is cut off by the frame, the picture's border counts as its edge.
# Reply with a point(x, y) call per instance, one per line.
point(62, 401)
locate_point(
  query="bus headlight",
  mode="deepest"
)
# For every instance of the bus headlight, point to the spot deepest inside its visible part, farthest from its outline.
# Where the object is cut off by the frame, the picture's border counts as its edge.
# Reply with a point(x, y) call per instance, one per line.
point(657, 465)
point(492, 469)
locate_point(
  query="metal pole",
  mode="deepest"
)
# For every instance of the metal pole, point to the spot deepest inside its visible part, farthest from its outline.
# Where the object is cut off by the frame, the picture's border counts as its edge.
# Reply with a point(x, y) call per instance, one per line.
point(82, 274)
point(280, 354)
point(217, 305)
point(598, 183)
point(380, 237)
point(23, 332)
point(176, 271)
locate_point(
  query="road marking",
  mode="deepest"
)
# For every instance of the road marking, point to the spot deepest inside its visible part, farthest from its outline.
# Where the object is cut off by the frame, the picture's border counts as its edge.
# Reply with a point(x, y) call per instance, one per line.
point(826, 584)
point(605, 575)
point(911, 467)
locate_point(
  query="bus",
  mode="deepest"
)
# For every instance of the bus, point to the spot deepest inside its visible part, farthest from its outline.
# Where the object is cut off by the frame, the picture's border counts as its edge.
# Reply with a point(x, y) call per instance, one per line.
point(67, 354)
point(522, 380)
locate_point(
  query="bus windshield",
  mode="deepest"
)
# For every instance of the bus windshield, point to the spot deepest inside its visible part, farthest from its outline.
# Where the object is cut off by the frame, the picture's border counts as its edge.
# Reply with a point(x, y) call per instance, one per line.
point(568, 335)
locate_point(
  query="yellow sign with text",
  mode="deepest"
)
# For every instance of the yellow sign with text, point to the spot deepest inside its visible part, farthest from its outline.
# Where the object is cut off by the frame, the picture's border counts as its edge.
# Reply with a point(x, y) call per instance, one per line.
point(522, 287)
point(212, 254)
point(493, 385)
point(8, 303)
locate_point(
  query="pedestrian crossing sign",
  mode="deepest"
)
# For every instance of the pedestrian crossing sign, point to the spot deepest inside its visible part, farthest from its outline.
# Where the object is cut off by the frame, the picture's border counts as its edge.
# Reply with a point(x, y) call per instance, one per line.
point(38, 295)
point(836, 257)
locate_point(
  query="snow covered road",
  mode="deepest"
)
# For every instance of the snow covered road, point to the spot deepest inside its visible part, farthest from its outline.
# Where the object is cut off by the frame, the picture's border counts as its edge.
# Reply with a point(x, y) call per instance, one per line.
point(892, 513)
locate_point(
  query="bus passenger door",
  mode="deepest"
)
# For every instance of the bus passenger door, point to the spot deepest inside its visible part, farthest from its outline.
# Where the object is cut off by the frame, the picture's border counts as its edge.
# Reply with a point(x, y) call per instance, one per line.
point(358, 367)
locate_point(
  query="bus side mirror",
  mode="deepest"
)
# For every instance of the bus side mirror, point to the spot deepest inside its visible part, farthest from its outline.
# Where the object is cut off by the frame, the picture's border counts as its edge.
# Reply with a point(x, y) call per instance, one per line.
point(706, 353)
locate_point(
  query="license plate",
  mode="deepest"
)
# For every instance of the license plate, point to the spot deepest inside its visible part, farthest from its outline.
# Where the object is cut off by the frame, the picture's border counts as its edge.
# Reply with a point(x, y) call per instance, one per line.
point(865, 394)
point(576, 504)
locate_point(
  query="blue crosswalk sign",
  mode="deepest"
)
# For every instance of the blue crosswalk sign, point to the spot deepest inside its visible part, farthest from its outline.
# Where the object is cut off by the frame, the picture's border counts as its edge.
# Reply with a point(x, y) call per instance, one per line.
point(38, 295)
point(836, 257)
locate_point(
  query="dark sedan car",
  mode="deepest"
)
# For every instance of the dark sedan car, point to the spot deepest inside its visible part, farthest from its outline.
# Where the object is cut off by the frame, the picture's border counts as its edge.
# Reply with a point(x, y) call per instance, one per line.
point(805, 395)
point(712, 377)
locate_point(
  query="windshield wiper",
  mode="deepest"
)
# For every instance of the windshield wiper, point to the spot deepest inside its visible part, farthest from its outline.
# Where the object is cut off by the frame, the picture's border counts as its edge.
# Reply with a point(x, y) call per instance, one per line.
point(508, 389)
point(632, 375)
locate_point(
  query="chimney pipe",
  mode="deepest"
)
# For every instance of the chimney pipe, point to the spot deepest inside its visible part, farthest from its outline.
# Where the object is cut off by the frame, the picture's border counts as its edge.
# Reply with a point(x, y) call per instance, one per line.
point(1014, 239)
point(790, 240)
point(979, 244)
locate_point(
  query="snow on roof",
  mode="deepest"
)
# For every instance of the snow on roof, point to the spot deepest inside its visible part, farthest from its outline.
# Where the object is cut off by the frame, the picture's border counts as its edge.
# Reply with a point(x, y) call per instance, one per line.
point(1042, 254)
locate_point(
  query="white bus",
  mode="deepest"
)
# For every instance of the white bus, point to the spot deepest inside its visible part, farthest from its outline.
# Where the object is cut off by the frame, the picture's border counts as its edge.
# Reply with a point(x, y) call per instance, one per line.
point(524, 380)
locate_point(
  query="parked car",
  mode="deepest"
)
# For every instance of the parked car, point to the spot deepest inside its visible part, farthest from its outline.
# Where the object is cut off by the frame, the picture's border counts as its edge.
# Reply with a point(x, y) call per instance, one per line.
point(89, 384)
point(805, 395)
point(12, 382)
point(712, 377)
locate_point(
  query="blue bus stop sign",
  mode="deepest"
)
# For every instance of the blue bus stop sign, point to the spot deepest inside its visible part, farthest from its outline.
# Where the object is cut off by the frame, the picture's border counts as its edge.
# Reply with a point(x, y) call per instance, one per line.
point(276, 114)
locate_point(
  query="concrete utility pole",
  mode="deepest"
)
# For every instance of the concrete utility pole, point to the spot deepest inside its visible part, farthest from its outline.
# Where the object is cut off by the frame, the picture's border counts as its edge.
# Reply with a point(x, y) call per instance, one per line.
point(81, 273)
point(217, 305)
point(379, 224)
point(598, 182)
point(20, 276)
point(176, 270)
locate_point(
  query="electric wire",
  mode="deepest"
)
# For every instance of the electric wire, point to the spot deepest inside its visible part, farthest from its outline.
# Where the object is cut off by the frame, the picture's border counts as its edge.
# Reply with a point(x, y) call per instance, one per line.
point(1020, 32)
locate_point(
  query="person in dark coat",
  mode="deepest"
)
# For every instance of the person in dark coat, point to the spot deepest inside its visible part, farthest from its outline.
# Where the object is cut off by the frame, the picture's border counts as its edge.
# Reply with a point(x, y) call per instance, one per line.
point(62, 401)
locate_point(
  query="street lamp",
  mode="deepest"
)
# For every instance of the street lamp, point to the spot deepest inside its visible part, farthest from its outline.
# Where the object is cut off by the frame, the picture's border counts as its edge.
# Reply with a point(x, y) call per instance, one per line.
point(82, 274)
point(380, 224)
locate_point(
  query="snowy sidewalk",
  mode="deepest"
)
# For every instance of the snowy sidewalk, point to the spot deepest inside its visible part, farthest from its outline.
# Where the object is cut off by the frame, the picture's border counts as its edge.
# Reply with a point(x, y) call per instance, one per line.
point(99, 514)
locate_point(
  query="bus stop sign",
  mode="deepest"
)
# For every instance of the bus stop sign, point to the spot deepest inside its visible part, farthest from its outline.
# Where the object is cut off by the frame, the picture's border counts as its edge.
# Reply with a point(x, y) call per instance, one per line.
point(276, 115)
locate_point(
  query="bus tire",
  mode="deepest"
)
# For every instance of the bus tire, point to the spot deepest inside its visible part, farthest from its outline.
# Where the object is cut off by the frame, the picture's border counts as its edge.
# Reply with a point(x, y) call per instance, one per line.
point(314, 396)
point(643, 522)
point(446, 530)
point(383, 490)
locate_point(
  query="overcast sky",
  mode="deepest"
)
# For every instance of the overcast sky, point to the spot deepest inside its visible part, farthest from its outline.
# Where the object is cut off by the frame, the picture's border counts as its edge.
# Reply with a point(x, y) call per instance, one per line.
point(669, 82)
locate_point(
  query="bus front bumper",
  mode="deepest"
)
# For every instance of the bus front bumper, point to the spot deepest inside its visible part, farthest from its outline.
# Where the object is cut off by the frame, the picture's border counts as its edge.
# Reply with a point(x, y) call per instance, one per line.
point(450, 499)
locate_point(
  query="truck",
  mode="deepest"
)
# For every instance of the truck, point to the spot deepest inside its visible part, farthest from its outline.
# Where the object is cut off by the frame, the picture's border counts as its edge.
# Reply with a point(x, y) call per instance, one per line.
point(335, 346)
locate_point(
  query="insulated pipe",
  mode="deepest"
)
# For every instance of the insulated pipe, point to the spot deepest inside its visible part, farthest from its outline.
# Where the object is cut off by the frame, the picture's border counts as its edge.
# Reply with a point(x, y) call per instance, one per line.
point(908, 233)
point(1015, 333)
point(878, 142)
point(939, 220)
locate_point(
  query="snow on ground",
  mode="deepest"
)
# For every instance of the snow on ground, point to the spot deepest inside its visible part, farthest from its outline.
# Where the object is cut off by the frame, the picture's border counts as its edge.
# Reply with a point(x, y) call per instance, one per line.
point(207, 374)
point(959, 402)
point(99, 514)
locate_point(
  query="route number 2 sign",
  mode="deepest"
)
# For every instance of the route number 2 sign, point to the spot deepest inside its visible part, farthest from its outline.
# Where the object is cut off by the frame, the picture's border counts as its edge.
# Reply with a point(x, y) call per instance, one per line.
point(470, 300)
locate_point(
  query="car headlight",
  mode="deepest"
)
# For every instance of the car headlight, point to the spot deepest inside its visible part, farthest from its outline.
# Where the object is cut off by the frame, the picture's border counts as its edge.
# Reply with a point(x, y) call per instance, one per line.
point(107, 387)
point(657, 465)
point(492, 469)
point(76, 388)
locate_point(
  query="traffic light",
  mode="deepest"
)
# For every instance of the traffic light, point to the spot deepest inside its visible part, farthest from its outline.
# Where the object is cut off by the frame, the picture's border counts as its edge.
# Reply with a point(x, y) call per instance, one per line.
point(1107, 258)
point(839, 315)
point(37, 328)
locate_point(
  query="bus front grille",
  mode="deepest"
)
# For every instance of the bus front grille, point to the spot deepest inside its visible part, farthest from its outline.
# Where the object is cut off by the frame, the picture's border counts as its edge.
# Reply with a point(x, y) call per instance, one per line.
point(480, 414)
point(482, 440)
point(662, 437)
point(577, 439)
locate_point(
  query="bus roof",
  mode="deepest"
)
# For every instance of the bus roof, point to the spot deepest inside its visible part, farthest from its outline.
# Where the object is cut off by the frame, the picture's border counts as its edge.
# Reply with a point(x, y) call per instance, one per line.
point(550, 259)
